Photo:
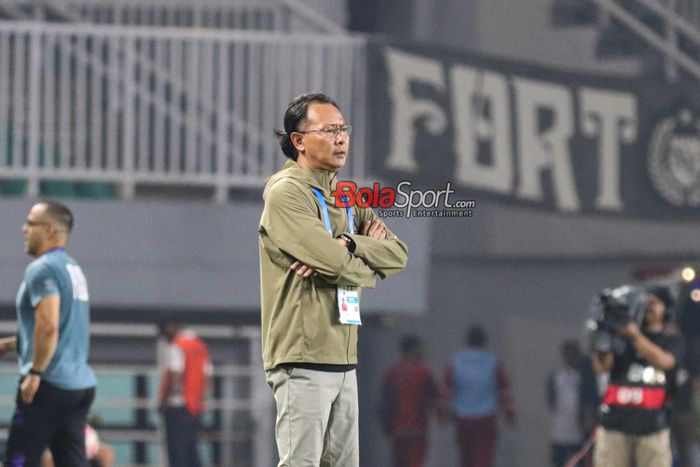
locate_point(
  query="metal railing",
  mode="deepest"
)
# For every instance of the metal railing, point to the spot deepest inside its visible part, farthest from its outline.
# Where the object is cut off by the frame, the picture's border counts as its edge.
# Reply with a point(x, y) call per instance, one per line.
point(680, 19)
point(184, 107)
point(242, 392)
point(270, 15)
point(686, 11)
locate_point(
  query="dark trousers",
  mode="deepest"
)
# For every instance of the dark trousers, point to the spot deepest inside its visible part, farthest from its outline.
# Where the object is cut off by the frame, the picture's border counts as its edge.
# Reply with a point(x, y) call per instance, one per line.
point(476, 437)
point(55, 419)
point(562, 454)
point(182, 435)
point(409, 451)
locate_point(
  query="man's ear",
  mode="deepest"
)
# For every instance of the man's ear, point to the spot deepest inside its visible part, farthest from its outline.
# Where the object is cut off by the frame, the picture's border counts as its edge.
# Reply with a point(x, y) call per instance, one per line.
point(297, 140)
point(55, 231)
point(52, 230)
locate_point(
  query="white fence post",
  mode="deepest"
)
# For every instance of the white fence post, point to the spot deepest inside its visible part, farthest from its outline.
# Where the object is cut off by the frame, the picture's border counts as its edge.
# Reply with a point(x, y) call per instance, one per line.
point(128, 148)
point(33, 114)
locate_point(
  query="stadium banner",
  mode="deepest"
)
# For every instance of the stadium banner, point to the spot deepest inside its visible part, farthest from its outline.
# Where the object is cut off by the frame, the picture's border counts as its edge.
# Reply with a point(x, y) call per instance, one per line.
point(533, 136)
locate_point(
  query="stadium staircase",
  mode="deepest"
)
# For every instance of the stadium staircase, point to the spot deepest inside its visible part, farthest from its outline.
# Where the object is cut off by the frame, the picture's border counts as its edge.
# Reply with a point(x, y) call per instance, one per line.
point(664, 33)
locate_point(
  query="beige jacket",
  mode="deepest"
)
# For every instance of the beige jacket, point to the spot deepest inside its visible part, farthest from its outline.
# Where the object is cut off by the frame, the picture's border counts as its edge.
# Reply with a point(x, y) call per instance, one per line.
point(300, 321)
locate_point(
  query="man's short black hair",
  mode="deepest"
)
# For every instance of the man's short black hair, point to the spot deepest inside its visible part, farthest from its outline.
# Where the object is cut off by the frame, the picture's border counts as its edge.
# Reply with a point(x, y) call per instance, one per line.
point(476, 336)
point(60, 213)
point(571, 346)
point(410, 343)
point(296, 115)
point(663, 293)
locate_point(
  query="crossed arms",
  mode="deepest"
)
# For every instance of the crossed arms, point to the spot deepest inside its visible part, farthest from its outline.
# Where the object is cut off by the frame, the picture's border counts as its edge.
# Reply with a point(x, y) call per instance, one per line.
point(294, 237)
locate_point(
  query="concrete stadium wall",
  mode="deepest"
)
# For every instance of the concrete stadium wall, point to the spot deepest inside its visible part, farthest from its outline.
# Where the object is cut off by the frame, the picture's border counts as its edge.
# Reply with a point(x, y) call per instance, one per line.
point(193, 255)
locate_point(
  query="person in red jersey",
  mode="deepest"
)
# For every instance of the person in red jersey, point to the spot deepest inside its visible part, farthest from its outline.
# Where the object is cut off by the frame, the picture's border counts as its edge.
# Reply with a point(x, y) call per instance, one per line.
point(409, 395)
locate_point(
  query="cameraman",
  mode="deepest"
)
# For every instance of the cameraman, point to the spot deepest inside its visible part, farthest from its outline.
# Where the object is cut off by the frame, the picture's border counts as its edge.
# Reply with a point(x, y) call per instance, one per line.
point(633, 412)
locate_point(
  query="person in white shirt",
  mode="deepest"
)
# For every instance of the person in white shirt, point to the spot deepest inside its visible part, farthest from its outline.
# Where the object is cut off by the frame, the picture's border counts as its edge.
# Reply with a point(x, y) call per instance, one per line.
point(563, 397)
point(184, 385)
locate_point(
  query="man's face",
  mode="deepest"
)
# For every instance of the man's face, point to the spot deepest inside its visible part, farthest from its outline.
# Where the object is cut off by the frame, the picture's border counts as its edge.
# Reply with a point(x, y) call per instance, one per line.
point(655, 310)
point(170, 330)
point(36, 229)
point(571, 356)
point(316, 150)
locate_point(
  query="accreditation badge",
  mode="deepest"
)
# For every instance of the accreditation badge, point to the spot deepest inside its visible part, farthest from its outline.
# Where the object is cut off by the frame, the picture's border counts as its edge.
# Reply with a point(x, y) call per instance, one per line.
point(349, 305)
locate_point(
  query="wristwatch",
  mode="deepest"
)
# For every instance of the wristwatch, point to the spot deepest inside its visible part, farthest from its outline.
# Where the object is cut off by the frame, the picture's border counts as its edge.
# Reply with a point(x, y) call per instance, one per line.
point(349, 242)
point(32, 371)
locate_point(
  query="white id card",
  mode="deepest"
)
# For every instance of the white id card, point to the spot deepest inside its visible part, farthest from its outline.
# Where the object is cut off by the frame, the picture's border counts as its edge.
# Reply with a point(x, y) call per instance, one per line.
point(349, 305)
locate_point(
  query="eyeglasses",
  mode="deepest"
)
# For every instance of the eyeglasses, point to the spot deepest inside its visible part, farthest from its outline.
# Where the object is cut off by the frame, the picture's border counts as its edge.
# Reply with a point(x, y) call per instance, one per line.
point(334, 132)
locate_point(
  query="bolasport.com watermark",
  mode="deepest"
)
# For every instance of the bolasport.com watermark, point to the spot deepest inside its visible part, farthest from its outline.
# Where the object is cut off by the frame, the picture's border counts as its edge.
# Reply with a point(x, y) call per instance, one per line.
point(403, 200)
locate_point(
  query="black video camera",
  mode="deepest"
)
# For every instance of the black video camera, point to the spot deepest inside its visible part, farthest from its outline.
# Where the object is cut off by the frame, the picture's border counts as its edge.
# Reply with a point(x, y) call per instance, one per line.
point(612, 309)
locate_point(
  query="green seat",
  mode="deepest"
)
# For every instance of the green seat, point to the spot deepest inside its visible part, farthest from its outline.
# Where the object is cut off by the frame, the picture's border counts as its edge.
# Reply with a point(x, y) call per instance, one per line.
point(67, 189)
point(53, 188)
point(13, 187)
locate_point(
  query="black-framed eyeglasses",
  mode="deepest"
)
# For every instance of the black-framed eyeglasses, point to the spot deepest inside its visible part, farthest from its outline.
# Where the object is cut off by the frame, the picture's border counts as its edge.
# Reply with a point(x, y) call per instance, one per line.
point(333, 132)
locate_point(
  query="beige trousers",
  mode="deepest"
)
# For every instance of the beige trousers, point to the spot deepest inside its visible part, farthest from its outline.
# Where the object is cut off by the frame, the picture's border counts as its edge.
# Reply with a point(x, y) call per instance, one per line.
point(617, 449)
point(317, 417)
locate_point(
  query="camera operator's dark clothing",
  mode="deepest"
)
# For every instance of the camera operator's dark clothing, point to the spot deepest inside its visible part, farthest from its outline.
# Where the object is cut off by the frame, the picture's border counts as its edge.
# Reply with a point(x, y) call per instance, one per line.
point(636, 400)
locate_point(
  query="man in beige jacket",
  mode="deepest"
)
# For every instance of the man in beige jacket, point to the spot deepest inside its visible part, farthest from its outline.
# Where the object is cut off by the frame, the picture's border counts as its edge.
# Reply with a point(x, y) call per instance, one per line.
point(314, 258)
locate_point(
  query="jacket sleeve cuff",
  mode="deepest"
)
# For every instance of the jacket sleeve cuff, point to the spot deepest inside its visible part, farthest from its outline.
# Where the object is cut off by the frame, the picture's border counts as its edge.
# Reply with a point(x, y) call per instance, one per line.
point(361, 245)
point(349, 242)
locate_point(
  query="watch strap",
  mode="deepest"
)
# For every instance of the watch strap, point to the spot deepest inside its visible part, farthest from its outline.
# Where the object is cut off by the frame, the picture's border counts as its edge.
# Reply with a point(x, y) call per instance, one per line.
point(349, 242)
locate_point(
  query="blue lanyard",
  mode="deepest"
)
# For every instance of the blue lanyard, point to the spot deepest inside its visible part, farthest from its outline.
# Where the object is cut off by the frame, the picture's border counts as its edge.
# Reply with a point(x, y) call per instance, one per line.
point(326, 219)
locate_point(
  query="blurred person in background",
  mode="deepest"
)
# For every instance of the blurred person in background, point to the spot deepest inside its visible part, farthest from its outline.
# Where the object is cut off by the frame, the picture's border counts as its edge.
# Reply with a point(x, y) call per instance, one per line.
point(692, 422)
point(634, 425)
point(409, 394)
point(685, 421)
point(564, 402)
point(184, 386)
point(57, 386)
point(590, 394)
point(478, 390)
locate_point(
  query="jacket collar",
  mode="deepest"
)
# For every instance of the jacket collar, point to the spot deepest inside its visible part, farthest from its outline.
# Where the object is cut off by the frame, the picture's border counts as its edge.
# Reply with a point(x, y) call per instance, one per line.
point(324, 180)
